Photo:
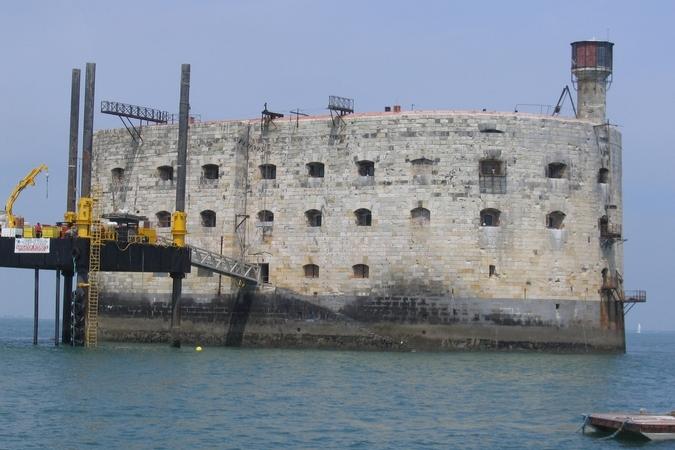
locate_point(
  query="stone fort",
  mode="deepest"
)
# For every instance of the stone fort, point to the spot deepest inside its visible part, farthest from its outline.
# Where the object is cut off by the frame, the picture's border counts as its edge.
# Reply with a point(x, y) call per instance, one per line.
point(396, 229)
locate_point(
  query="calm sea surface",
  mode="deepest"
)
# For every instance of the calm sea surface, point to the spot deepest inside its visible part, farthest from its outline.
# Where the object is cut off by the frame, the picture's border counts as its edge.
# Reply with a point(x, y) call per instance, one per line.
point(152, 396)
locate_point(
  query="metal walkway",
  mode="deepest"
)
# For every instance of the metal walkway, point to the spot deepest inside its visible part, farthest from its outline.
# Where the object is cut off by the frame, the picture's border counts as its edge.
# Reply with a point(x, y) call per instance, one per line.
point(224, 265)
point(200, 257)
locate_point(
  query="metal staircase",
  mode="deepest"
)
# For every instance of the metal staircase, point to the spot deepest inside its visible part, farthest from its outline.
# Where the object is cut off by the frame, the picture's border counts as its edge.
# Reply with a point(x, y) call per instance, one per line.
point(91, 325)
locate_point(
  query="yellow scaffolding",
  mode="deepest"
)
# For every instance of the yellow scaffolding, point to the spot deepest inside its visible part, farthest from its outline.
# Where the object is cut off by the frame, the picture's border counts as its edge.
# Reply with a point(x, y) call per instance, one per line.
point(95, 235)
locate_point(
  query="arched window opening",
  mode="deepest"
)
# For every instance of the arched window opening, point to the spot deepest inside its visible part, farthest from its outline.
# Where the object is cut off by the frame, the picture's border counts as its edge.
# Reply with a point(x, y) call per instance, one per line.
point(117, 174)
point(265, 216)
point(315, 170)
point(364, 217)
point(268, 171)
point(313, 217)
point(490, 217)
point(210, 172)
point(165, 173)
point(163, 219)
point(311, 270)
point(208, 218)
point(361, 271)
point(420, 215)
point(366, 168)
point(557, 170)
point(603, 176)
point(555, 220)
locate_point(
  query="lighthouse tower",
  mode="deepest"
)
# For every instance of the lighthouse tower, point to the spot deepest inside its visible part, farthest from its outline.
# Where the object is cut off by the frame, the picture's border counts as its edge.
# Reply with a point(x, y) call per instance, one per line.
point(591, 76)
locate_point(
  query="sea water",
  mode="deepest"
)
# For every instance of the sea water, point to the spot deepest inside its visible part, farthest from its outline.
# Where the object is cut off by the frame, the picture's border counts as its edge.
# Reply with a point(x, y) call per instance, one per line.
point(152, 396)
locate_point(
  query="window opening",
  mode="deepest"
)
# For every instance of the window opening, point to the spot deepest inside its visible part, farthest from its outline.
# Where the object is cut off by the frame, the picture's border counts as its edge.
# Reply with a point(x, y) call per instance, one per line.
point(420, 215)
point(557, 170)
point(364, 217)
point(268, 171)
point(210, 172)
point(208, 218)
point(492, 177)
point(313, 218)
point(366, 168)
point(315, 170)
point(311, 270)
point(264, 272)
point(490, 217)
point(361, 271)
point(493, 270)
point(492, 167)
point(117, 174)
point(265, 216)
point(163, 219)
point(165, 173)
point(603, 176)
point(555, 220)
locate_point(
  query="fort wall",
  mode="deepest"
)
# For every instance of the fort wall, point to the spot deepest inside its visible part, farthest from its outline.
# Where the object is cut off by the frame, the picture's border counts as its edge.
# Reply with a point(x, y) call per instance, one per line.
point(463, 208)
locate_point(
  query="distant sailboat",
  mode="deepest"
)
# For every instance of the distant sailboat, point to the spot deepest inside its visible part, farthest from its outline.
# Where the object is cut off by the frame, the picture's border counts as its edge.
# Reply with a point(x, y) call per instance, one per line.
point(639, 330)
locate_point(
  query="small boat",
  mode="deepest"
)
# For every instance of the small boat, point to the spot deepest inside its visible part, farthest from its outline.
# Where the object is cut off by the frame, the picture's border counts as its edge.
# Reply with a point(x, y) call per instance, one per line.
point(657, 427)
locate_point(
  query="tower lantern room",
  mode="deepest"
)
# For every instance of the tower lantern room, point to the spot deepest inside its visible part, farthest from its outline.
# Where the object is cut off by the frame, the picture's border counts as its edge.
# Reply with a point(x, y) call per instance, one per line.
point(591, 76)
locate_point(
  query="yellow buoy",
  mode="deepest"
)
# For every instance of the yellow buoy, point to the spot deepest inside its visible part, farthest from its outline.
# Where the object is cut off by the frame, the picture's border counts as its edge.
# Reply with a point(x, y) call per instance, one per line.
point(198, 349)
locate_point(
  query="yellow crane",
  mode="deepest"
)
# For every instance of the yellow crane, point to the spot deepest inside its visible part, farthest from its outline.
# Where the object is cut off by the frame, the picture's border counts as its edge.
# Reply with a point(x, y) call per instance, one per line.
point(27, 180)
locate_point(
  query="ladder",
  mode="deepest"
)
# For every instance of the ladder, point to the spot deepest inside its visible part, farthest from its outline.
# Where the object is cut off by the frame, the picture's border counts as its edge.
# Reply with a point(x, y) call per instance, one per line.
point(91, 325)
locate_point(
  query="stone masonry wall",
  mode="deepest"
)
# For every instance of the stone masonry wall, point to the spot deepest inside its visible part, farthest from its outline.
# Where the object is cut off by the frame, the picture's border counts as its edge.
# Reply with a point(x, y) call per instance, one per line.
point(421, 159)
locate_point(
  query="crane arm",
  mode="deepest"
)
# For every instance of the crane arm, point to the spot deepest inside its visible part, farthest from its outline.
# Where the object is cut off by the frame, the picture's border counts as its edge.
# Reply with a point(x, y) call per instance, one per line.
point(27, 180)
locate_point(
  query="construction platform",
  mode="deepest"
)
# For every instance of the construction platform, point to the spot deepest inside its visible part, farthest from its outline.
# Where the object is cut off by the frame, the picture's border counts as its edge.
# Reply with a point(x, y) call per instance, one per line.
point(72, 255)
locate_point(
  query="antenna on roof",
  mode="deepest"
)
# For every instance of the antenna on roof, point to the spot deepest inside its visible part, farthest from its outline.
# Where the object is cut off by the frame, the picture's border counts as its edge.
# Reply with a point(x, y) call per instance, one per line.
point(297, 114)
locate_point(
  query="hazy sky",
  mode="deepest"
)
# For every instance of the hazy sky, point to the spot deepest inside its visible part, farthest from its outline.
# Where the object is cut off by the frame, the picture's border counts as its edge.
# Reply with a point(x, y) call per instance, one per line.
point(293, 54)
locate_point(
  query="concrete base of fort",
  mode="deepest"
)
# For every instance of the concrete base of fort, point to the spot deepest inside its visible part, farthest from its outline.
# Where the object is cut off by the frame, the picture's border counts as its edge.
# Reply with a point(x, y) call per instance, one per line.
point(282, 319)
